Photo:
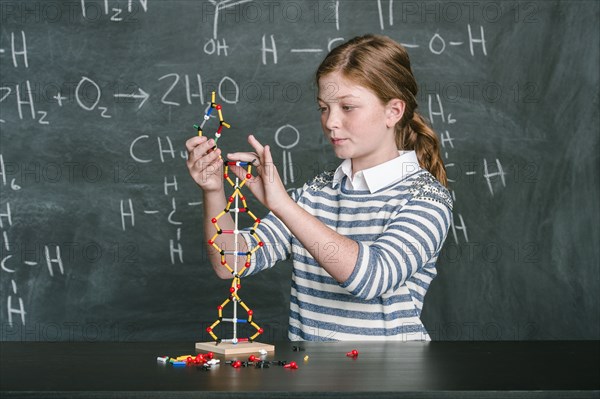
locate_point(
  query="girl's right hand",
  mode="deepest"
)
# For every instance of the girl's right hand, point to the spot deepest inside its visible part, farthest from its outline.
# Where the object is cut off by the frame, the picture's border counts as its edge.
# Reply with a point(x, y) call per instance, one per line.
point(206, 168)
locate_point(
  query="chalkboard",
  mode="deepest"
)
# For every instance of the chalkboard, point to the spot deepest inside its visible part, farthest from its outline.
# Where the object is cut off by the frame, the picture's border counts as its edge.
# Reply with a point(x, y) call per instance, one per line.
point(101, 223)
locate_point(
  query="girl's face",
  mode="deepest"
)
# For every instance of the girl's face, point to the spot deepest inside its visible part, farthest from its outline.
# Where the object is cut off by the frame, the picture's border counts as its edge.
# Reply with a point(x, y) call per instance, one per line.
point(356, 123)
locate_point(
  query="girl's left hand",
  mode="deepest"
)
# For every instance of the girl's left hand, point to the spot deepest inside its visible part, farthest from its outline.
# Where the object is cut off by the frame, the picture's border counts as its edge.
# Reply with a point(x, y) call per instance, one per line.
point(267, 186)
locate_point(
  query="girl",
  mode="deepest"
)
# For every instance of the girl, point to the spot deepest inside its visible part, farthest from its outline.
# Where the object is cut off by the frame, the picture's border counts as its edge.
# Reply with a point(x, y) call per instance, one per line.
point(364, 239)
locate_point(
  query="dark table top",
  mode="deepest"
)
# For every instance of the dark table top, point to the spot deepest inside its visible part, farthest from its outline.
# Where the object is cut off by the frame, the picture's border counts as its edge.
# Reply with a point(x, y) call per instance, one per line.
point(382, 369)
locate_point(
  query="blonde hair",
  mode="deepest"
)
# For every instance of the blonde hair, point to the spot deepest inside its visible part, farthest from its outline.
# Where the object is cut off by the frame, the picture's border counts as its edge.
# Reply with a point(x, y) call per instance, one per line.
point(381, 65)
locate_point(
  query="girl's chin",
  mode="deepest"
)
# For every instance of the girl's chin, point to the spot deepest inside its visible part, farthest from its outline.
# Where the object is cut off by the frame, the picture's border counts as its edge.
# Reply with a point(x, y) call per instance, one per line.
point(341, 154)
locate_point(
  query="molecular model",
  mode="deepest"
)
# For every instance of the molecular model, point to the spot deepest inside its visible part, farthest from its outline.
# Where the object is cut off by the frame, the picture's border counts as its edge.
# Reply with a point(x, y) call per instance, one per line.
point(233, 205)
point(207, 113)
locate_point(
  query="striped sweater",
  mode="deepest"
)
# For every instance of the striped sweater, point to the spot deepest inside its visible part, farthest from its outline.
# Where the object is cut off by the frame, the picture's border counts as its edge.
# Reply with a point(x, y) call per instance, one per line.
point(399, 229)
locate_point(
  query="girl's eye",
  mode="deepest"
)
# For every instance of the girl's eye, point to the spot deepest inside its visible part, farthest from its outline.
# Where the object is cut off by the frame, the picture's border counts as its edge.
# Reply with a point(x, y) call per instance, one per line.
point(322, 109)
point(347, 107)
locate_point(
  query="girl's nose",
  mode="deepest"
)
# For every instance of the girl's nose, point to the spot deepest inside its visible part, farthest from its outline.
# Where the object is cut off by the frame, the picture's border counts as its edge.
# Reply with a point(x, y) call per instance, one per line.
point(333, 121)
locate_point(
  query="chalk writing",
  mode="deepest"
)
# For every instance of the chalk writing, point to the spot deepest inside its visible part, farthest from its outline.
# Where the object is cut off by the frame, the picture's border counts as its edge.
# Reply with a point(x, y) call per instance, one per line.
point(15, 306)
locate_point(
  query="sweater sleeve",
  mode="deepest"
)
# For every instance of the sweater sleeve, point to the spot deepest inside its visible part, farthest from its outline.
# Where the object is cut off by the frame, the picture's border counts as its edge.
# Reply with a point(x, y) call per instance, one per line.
point(277, 240)
point(411, 240)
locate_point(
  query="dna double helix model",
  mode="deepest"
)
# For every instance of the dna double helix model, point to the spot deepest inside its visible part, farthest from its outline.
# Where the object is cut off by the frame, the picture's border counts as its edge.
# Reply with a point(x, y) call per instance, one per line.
point(236, 204)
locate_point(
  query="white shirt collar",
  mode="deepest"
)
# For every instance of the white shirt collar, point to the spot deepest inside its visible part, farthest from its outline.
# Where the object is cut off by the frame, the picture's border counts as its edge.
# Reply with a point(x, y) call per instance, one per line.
point(379, 176)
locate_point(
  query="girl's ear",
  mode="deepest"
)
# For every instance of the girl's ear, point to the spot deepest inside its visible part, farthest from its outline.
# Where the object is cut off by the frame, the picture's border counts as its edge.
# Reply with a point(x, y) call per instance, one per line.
point(394, 112)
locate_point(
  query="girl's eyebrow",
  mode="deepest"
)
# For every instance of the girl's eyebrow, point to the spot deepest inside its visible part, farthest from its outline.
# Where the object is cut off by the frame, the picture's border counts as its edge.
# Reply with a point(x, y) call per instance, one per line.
point(336, 99)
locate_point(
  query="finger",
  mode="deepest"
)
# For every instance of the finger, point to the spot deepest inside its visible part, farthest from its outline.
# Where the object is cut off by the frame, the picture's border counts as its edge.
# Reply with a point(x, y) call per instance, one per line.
point(198, 148)
point(192, 143)
point(211, 159)
point(258, 147)
point(270, 169)
point(268, 157)
point(242, 156)
point(203, 148)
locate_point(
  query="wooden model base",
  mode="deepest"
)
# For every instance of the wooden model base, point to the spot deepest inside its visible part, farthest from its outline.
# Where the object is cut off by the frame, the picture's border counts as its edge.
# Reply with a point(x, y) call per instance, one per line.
point(227, 348)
